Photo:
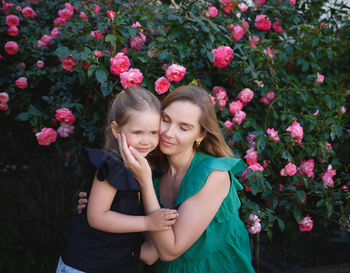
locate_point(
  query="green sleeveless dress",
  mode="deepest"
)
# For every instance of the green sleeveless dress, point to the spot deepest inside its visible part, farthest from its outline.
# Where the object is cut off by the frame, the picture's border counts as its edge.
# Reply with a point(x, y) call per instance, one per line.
point(224, 246)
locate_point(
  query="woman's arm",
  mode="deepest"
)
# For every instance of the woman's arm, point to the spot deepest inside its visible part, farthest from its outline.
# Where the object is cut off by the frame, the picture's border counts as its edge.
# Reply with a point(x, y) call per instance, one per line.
point(149, 254)
point(195, 214)
point(101, 217)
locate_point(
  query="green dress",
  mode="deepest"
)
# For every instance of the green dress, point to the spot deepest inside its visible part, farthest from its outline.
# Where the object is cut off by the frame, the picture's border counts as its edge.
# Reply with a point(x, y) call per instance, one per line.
point(224, 246)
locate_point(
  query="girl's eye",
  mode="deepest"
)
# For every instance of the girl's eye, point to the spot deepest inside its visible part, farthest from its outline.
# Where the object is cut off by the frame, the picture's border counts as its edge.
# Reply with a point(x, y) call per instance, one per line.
point(137, 133)
point(154, 133)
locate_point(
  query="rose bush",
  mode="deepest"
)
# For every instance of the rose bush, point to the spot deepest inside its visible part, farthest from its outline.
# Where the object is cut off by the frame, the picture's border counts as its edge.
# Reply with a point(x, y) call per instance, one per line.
point(280, 88)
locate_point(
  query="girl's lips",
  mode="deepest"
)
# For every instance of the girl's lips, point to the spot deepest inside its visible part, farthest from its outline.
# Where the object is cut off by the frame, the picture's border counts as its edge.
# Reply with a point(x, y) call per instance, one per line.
point(142, 150)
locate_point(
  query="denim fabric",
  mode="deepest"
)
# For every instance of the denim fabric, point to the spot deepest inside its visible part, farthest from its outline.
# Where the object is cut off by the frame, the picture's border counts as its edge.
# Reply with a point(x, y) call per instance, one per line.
point(62, 268)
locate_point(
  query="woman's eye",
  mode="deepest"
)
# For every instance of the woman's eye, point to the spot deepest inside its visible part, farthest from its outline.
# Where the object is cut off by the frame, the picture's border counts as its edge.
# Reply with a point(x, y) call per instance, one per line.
point(165, 120)
point(183, 129)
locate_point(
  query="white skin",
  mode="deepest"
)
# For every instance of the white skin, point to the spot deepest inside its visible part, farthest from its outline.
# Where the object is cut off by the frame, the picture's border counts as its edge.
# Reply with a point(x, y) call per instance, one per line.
point(142, 133)
point(178, 134)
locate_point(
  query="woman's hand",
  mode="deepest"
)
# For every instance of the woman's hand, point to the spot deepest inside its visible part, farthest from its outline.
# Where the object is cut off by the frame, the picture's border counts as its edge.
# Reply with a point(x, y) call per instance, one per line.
point(82, 201)
point(135, 162)
point(161, 219)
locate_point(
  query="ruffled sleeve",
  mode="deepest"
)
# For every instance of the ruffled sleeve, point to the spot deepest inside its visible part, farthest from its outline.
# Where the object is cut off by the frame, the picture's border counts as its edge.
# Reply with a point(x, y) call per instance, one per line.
point(110, 167)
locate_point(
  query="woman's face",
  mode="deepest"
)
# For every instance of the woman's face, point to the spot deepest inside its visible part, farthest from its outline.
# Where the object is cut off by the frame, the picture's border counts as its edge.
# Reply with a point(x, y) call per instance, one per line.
point(179, 127)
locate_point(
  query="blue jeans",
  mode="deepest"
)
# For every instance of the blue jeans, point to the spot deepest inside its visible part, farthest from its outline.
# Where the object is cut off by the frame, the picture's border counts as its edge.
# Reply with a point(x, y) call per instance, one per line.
point(63, 268)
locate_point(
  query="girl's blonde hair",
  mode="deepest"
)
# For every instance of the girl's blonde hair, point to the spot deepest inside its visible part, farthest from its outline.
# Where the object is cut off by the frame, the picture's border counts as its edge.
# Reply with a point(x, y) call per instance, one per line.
point(131, 99)
point(213, 143)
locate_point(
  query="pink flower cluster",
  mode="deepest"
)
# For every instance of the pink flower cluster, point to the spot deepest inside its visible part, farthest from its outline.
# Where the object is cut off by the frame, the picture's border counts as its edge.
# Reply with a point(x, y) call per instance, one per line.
point(307, 168)
point(68, 63)
point(296, 132)
point(137, 41)
point(21, 83)
point(327, 177)
point(305, 224)
point(277, 26)
point(239, 31)
point(253, 40)
point(221, 95)
point(4, 98)
point(289, 170)
point(262, 22)
point(173, 73)
point(251, 156)
point(132, 77)
point(259, 3)
point(119, 63)
point(253, 224)
point(228, 5)
point(222, 56)
point(273, 134)
point(48, 135)
point(235, 107)
point(242, 7)
point(212, 11)
point(268, 98)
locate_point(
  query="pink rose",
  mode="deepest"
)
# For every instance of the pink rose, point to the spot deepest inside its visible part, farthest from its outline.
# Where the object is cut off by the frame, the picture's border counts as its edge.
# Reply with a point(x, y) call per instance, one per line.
point(12, 31)
point(317, 113)
point(83, 16)
point(242, 7)
point(97, 8)
point(60, 20)
point(254, 228)
point(133, 77)
point(68, 63)
point(28, 12)
point(4, 97)
point(327, 177)
point(220, 92)
point(235, 107)
point(97, 34)
point(137, 41)
point(213, 100)
point(119, 64)
point(277, 26)
point(110, 14)
point(162, 85)
point(12, 20)
point(46, 136)
point(328, 145)
point(262, 22)
point(124, 50)
point(65, 13)
point(245, 96)
point(65, 130)
point(55, 32)
point(253, 40)
point(228, 5)
point(273, 134)
point(307, 168)
point(175, 72)
point(222, 56)
point(40, 64)
point(251, 156)
point(305, 224)
point(22, 83)
point(11, 48)
point(320, 78)
point(65, 115)
point(238, 33)
point(296, 132)
point(268, 51)
point(343, 110)
point(239, 117)
point(212, 12)
point(256, 167)
point(228, 124)
point(259, 3)
point(250, 139)
point(98, 54)
point(289, 170)
point(292, 2)
point(3, 106)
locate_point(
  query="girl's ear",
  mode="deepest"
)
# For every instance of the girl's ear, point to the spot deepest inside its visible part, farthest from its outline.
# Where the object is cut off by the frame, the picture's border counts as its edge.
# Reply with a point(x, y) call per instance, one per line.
point(115, 129)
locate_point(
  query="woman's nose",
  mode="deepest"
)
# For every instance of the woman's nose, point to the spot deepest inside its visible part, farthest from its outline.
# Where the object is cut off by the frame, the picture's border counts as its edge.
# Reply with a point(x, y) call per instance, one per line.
point(169, 132)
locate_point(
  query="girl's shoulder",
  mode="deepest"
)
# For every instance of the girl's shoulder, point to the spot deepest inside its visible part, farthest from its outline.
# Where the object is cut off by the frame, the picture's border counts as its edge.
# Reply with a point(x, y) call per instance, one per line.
point(109, 166)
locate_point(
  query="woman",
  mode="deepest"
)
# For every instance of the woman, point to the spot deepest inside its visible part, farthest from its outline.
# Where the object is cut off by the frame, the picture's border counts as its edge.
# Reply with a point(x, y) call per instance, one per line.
point(198, 180)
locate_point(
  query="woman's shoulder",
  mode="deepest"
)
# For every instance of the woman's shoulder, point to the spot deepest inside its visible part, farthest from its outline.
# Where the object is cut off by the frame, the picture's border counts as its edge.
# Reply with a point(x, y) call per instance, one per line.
point(207, 163)
point(110, 167)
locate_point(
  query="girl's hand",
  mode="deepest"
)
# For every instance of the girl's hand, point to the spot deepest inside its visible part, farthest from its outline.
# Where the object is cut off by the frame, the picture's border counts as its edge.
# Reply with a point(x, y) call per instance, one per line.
point(82, 201)
point(161, 219)
point(135, 162)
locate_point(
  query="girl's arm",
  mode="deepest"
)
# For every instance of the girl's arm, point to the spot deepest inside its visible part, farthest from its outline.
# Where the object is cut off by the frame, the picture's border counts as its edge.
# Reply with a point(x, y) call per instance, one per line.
point(195, 214)
point(101, 217)
point(149, 254)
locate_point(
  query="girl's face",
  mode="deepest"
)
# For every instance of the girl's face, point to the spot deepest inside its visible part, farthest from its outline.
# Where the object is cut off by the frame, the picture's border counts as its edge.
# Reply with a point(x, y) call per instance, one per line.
point(179, 127)
point(141, 131)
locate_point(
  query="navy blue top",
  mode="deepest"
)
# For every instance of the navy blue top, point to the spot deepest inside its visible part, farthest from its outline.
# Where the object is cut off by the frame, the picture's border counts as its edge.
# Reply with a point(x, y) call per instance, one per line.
point(94, 251)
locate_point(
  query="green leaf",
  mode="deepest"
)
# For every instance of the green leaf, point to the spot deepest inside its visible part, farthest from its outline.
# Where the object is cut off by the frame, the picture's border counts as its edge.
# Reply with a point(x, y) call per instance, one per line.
point(91, 70)
point(296, 213)
point(260, 144)
point(62, 52)
point(110, 39)
point(301, 195)
point(173, 17)
point(329, 208)
point(101, 75)
point(22, 116)
point(281, 223)
point(106, 88)
point(305, 67)
point(286, 155)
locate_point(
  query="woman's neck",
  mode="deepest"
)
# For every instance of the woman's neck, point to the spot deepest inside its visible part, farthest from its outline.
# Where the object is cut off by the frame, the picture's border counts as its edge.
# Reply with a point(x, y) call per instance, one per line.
point(179, 163)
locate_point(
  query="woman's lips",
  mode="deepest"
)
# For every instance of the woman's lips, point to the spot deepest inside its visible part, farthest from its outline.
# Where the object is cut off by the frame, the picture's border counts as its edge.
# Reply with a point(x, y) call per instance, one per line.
point(166, 143)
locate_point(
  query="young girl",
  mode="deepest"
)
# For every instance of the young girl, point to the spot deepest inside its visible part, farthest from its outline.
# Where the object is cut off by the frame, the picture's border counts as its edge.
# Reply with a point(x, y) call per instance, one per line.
point(106, 237)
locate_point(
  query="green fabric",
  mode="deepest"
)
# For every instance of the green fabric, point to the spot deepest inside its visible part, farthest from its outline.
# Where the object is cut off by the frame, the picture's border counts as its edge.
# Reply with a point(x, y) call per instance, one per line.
point(224, 246)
